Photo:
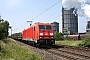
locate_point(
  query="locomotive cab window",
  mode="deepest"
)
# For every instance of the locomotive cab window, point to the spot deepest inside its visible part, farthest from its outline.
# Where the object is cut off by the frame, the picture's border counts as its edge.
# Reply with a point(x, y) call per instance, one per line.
point(41, 27)
point(34, 28)
point(48, 28)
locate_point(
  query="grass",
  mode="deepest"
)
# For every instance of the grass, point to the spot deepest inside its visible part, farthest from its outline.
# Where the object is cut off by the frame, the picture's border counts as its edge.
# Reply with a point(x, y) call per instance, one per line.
point(69, 43)
point(10, 50)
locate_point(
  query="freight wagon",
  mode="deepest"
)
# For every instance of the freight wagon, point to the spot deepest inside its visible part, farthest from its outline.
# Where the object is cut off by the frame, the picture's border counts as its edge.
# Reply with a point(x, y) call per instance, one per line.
point(39, 34)
point(17, 36)
point(78, 36)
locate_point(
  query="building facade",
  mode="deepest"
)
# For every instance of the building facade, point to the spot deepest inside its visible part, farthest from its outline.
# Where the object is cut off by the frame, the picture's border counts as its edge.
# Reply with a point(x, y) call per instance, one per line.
point(55, 26)
point(69, 21)
point(88, 27)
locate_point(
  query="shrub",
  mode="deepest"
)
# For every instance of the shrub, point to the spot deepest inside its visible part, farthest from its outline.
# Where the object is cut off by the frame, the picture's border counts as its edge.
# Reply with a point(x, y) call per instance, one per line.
point(58, 36)
point(85, 42)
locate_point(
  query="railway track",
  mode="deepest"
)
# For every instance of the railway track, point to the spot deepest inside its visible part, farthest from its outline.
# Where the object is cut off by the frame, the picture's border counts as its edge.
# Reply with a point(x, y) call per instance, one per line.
point(68, 55)
point(65, 53)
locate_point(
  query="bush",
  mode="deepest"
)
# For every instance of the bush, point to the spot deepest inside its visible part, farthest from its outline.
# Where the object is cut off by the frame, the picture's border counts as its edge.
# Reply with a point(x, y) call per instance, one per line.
point(58, 36)
point(85, 42)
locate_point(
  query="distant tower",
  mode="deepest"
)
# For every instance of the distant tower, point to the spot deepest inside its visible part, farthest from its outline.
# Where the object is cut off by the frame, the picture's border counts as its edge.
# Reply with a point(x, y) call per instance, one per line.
point(69, 21)
point(55, 26)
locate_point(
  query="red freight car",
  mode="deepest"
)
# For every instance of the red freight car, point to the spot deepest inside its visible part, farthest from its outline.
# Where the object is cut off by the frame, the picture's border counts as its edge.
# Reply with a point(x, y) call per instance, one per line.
point(78, 36)
point(75, 37)
point(39, 33)
point(84, 35)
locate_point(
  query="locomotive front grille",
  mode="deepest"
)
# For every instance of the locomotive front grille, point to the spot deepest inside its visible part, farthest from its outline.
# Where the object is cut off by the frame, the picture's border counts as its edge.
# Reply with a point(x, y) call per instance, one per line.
point(48, 41)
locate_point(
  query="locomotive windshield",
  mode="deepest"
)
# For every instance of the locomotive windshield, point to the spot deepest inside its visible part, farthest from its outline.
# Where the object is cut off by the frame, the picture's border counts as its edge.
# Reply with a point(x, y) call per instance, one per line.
point(42, 27)
point(48, 28)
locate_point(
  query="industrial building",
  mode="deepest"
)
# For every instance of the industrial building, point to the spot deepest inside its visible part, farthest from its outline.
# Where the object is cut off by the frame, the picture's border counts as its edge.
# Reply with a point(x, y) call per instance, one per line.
point(88, 27)
point(55, 26)
point(69, 21)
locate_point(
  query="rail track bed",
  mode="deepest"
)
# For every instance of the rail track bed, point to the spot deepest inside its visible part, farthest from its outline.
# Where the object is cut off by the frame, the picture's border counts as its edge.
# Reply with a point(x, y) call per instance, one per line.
point(59, 52)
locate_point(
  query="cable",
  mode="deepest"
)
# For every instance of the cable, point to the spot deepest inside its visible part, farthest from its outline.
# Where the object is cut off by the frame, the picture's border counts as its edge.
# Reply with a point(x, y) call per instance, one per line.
point(36, 12)
point(52, 18)
point(21, 27)
point(42, 7)
point(46, 9)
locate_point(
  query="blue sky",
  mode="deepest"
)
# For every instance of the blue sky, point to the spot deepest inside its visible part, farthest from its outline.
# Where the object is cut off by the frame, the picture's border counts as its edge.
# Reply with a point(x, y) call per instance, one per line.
point(18, 12)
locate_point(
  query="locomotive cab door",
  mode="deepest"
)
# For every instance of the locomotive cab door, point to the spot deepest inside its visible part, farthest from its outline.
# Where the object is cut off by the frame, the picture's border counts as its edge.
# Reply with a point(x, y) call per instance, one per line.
point(34, 34)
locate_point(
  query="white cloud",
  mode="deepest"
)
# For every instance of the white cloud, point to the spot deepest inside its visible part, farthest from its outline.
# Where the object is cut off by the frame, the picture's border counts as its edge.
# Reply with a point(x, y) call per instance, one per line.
point(87, 10)
point(13, 3)
point(82, 6)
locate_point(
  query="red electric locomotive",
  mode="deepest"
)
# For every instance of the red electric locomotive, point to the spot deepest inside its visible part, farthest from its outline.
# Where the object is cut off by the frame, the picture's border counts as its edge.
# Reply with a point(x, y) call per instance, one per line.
point(39, 33)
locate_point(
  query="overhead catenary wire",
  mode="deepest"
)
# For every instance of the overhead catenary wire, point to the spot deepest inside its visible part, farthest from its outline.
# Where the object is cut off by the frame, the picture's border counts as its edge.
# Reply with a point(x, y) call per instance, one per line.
point(20, 27)
point(41, 7)
point(46, 10)
point(36, 13)
point(53, 18)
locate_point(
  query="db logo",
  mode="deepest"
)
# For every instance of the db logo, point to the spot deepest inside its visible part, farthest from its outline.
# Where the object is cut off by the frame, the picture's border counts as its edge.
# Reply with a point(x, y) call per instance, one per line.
point(46, 33)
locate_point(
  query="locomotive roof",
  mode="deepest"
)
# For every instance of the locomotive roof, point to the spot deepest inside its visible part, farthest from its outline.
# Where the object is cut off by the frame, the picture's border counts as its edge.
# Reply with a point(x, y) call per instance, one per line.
point(43, 23)
point(39, 23)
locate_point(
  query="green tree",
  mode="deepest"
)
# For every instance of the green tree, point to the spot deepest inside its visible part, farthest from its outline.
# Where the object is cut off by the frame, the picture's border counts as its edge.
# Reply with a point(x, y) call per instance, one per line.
point(58, 36)
point(7, 28)
point(4, 29)
point(1, 20)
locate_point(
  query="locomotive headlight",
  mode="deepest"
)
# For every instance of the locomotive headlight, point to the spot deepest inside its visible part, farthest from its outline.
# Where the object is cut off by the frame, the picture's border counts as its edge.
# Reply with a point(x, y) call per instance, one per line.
point(51, 33)
point(41, 37)
point(41, 33)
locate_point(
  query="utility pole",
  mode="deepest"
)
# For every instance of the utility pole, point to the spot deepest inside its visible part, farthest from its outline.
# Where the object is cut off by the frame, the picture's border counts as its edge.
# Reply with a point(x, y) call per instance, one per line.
point(11, 29)
point(30, 22)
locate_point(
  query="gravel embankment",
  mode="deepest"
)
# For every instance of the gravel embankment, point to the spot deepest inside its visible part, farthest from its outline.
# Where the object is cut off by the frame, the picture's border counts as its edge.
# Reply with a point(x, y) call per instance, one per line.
point(42, 53)
point(50, 54)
